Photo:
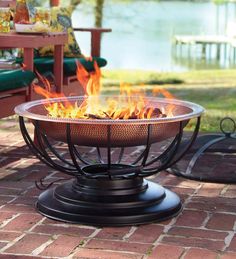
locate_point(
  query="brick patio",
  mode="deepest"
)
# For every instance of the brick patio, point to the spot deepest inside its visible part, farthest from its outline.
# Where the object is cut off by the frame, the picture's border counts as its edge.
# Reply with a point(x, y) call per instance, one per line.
point(205, 229)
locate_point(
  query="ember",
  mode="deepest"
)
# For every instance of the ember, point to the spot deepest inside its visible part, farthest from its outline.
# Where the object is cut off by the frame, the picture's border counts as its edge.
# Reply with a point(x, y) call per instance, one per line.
point(131, 104)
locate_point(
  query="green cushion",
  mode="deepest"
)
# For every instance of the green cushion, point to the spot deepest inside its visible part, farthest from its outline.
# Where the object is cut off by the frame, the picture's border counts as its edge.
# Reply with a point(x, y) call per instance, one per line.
point(12, 79)
point(45, 64)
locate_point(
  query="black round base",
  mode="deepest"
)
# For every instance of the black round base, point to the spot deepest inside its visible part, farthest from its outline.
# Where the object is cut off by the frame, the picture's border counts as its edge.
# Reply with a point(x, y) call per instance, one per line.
point(104, 202)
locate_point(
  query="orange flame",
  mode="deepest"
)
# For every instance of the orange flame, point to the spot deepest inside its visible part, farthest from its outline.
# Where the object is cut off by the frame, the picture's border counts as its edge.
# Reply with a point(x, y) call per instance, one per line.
point(23, 66)
point(135, 105)
point(160, 91)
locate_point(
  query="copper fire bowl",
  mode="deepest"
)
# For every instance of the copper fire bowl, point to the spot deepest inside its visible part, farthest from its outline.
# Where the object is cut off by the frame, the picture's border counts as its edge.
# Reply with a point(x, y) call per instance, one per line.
point(121, 133)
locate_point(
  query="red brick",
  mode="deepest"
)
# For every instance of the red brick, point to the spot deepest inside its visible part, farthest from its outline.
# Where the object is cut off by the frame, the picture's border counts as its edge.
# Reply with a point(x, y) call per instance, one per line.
point(5, 199)
point(221, 221)
point(215, 200)
point(10, 191)
point(194, 242)
point(217, 204)
point(52, 221)
point(25, 201)
point(32, 192)
point(118, 246)
point(166, 252)
point(2, 244)
point(9, 236)
point(195, 253)
point(96, 254)
point(181, 190)
point(35, 175)
point(207, 199)
point(163, 177)
point(15, 185)
point(9, 162)
point(228, 256)
point(23, 222)
point(6, 215)
point(113, 233)
point(231, 192)
point(191, 218)
point(179, 182)
point(165, 222)
point(8, 256)
point(18, 208)
point(146, 234)
point(62, 230)
point(62, 246)
point(200, 233)
point(232, 246)
point(210, 189)
point(28, 244)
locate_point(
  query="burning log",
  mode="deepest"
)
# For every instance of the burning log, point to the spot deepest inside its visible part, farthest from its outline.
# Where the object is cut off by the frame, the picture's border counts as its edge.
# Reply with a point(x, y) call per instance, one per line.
point(155, 113)
point(97, 117)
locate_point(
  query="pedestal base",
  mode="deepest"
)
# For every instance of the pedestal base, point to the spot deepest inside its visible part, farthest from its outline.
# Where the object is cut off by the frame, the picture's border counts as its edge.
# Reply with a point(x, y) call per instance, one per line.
point(104, 202)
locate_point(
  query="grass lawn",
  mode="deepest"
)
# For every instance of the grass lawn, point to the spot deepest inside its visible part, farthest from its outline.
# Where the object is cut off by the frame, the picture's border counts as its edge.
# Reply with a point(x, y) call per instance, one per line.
point(215, 90)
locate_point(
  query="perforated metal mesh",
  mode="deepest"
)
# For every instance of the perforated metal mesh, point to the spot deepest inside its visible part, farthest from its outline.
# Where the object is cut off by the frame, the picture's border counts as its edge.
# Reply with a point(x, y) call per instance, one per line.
point(123, 133)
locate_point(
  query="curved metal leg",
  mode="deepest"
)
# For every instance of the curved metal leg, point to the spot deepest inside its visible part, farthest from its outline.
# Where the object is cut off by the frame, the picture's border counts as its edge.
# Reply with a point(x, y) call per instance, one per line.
point(174, 153)
point(206, 148)
point(200, 152)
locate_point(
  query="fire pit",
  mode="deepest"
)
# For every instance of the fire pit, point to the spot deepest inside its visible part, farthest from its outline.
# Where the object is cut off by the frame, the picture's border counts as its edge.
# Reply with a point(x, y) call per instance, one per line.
point(109, 191)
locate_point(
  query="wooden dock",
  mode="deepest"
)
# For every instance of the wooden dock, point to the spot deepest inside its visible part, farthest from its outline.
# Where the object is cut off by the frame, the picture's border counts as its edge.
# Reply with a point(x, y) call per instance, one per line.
point(206, 42)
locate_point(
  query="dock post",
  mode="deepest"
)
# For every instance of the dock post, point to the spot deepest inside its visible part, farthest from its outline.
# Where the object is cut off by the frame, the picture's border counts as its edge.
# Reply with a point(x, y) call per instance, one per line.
point(218, 51)
point(203, 50)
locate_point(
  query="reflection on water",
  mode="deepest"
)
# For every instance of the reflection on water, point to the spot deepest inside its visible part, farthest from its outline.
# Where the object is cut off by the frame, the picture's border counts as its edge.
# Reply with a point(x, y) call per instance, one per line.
point(193, 58)
point(143, 31)
point(193, 63)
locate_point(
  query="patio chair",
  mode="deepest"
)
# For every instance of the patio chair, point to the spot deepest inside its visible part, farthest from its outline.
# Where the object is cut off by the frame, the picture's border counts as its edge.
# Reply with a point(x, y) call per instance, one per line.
point(44, 65)
point(14, 89)
point(14, 83)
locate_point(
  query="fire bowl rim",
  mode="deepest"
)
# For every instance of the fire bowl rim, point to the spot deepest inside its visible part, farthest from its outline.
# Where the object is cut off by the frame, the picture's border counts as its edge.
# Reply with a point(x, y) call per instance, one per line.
point(23, 110)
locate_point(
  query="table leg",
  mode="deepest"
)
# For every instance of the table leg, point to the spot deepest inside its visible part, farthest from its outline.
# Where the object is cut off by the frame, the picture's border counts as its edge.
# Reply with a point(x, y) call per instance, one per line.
point(96, 43)
point(29, 58)
point(29, 65)
point(58, 67)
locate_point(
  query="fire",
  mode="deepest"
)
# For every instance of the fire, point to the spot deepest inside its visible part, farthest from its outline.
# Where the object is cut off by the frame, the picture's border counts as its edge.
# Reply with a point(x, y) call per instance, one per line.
point(23, 66)
point(131, 103)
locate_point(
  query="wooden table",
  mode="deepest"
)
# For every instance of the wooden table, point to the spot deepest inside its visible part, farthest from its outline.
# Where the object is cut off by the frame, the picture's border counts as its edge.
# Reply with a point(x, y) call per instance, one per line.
point(7, 3)
point(31, 41)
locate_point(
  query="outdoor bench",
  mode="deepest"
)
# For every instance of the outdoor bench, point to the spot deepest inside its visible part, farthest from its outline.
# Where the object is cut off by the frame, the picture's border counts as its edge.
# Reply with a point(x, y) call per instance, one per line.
point(70, 81)
point(44, 66)
point(14, 89)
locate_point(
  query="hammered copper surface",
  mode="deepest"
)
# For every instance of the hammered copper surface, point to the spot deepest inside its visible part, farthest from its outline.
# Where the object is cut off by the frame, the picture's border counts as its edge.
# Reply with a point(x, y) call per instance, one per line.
point(123, 133)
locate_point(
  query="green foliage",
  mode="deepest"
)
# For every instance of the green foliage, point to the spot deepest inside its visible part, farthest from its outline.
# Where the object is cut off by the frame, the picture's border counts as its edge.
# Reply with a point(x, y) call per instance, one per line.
point(73, 3)
point(113, 1)
point(219, 2)
point(140, 77)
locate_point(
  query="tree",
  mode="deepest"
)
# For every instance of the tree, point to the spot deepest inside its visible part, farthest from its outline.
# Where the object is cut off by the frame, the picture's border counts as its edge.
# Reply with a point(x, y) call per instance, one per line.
point(98, 13)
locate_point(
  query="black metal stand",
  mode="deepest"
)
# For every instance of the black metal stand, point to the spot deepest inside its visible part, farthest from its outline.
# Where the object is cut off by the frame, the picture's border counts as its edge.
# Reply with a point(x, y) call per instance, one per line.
point(108, 192)
point(109, 203)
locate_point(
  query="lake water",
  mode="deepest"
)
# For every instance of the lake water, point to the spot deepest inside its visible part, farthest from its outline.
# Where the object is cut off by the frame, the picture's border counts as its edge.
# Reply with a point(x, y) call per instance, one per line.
point(142, 32)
